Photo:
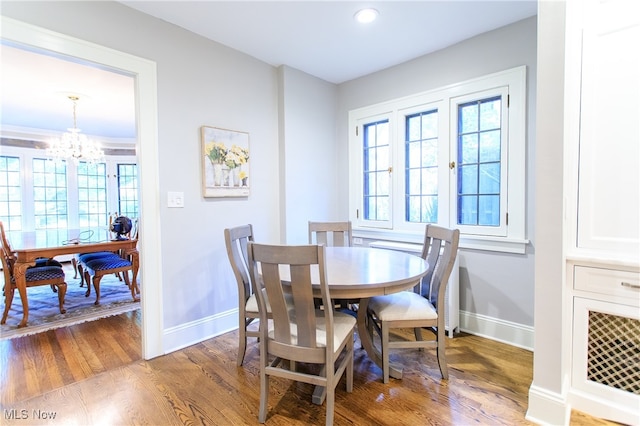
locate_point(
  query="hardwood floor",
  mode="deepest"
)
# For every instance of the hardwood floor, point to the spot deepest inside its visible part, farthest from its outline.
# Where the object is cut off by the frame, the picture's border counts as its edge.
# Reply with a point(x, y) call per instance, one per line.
point(92, 373)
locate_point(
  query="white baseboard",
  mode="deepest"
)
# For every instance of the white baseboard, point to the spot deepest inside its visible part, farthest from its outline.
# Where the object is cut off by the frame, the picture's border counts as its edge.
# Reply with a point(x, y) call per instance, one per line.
point(605, 407)
point(547, 408)
point(184, 335)
point(188, 334)
point(496, 329)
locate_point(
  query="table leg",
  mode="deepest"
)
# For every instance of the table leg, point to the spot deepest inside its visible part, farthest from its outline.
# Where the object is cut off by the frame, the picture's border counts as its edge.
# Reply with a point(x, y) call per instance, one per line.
point(366, 339)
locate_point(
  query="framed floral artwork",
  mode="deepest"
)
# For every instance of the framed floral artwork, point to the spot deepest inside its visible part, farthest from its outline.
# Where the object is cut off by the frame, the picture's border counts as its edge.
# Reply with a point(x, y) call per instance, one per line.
point(225, 162)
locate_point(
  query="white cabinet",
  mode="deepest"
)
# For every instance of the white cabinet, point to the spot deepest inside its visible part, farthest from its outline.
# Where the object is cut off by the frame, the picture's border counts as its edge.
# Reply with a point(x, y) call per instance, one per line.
point(609, 133)
point(605, 377)
point(602, 141)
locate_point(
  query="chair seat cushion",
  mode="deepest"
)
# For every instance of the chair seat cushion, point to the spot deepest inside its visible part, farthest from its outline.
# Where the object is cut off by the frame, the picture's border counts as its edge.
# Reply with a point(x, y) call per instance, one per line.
point(43, 261)
point(343, 324)
point(405, 305)
point(252, 305)
point(106, 263)
point(86, 257)
point(39, 273)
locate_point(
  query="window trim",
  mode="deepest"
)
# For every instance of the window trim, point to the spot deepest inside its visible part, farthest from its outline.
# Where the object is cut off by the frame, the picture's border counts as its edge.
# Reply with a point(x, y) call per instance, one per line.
point(515, 240)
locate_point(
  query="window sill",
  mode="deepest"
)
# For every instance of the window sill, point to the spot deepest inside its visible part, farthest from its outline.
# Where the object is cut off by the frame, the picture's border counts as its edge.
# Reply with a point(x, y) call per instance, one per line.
point(473, 242)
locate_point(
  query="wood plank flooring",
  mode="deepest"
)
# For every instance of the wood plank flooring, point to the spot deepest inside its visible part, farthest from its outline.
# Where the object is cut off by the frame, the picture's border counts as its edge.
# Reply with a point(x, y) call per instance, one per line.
point(92, 374)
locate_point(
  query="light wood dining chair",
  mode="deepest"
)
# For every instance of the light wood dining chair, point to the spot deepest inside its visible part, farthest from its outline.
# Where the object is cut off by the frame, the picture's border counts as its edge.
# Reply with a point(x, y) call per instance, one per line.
point(330, 234)
point(41, 261)
point(300, 334)
point(236, 240)
point(424, 307)
point(46, 274)
point(333, 234)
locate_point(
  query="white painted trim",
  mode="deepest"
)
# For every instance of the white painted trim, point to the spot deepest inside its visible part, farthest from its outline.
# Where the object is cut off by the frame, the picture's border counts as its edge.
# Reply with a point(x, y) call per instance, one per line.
point(475, 242)
point(184, 335)
point(547, 408)
point(606, 408)
point(496, 329)
point(144, 72)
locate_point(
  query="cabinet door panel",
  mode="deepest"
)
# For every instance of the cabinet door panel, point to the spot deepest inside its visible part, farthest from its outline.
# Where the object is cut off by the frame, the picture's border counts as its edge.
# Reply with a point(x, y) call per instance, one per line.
point(609, 181)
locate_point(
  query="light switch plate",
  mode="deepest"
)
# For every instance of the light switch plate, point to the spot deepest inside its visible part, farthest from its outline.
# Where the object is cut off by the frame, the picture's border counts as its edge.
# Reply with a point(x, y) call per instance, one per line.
point(175, 199)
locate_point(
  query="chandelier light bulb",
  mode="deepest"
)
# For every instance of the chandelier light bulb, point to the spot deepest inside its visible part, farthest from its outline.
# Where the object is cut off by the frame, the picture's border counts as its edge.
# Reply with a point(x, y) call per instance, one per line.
point(72, 145)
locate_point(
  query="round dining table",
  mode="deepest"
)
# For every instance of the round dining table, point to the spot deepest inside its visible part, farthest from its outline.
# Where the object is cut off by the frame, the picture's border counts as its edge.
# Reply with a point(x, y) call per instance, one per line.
point(362, 272)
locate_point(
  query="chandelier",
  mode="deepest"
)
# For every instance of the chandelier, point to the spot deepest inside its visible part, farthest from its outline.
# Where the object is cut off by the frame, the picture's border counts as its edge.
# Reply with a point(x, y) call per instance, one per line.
point(73, 145)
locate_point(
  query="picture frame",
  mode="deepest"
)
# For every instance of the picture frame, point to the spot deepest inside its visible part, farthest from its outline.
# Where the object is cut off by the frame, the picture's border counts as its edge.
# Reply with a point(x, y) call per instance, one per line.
point(225, 162)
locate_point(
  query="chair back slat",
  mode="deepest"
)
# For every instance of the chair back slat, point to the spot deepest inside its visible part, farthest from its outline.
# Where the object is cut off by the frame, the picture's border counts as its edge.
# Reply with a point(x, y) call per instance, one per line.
point(279, 308)
point(439, 250)
point(7, 267)
point(236, 240)
point(336, 234)
point(294, 324)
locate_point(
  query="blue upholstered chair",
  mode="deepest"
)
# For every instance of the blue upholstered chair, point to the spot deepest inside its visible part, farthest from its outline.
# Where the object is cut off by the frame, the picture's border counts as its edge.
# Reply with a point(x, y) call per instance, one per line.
point(34, 276)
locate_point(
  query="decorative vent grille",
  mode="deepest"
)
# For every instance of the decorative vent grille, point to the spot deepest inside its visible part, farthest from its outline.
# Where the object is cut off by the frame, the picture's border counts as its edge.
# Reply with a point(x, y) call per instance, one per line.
point(613, 357)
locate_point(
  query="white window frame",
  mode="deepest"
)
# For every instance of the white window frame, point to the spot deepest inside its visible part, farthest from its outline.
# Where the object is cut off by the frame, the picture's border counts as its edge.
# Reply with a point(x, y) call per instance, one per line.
point(26, 156)
point(510, 236)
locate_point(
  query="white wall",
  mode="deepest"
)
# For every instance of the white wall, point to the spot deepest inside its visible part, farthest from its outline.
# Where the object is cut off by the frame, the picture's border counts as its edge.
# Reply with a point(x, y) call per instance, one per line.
point(496, 290)
point(550, 376)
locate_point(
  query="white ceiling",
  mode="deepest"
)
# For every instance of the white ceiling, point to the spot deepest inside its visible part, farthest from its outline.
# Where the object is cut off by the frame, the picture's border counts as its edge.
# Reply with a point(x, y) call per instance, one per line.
point(320, 38)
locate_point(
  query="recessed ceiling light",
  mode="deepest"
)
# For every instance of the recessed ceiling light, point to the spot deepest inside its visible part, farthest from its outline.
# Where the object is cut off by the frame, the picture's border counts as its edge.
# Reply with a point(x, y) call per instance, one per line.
point(366, 16)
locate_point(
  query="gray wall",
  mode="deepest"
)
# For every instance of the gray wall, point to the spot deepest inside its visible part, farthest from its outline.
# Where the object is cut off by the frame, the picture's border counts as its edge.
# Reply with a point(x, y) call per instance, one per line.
point(308, 142)
point(498, 286)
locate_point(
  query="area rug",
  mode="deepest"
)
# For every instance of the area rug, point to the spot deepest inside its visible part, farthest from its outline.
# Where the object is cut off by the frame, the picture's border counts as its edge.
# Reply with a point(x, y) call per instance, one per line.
point(44, 313)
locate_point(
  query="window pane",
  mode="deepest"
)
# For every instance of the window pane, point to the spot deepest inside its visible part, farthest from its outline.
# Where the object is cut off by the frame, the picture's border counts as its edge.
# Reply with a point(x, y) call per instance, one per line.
point(383, 208)
point(430, 181)
point(413, 209)
point(468, 118)
point(50, 194)
point(430, 153)
point(469, 148)
point(382, 183)
point(10, 193)
point(489, 208)
point(414, 154)
point(414, 182)
point(490, 114)
point(92, 194)
point(382, 158)
point(128, 190)
point(490, 146)
point(489, 178)
point(479, 160)
point(467, 210)
point(421, 166)
point(376, 170)
point(468, 180)
point(413, 128)
point(430, 209)
point(430, 126)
